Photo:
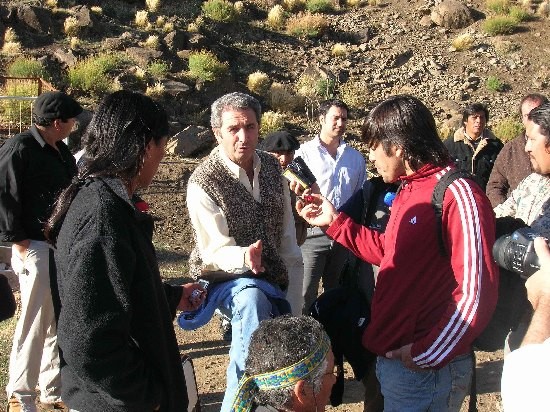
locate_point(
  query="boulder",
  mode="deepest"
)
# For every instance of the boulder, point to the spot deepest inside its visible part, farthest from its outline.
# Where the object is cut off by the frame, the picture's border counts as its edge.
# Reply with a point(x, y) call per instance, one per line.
point(175, 40)
point(175, 88)
point(65, 58)
point(452, 14)
point(36, 18)
point(191, 140)
point(142, 56)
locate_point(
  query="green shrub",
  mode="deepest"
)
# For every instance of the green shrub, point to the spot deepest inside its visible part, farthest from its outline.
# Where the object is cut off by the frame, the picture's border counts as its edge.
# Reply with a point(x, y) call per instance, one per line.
point(205, 65)
point(319, 6)
point(93, 74)
point(499, 25)
point(519, 14)
point(158, 69)
point(258, 82)
point(494, 84)
point(24, 67)
point(219, 10)
point(355, 92)
point(507, 128)
point(498, 6)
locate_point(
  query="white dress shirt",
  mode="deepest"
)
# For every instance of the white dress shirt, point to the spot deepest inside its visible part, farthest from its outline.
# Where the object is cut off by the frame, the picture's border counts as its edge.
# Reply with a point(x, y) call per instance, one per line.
point(338, 178)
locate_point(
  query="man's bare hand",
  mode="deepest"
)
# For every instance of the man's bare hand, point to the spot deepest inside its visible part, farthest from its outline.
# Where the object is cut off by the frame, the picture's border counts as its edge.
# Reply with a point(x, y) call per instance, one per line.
point(538, 285)
point(191, 300)
point(404, 354)
point(253, 257)
point(317, 210)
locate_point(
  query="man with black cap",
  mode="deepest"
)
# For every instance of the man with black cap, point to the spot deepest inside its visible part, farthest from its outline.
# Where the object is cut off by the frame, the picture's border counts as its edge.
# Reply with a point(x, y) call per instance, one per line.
point(34, 167)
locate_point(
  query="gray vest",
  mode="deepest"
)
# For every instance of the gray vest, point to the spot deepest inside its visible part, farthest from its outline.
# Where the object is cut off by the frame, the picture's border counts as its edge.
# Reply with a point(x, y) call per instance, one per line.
point(248, 220)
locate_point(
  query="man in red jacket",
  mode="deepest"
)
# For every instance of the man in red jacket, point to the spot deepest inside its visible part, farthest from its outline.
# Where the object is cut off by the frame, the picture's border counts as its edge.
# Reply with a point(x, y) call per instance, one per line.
point(427, 308)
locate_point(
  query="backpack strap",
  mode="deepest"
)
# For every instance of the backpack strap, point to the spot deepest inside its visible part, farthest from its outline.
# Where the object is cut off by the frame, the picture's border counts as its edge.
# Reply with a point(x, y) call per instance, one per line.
point(437, 200)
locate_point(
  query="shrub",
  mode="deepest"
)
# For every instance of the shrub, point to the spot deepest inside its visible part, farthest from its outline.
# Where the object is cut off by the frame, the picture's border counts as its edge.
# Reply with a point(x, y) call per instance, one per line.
point(355, 92)
point(499, 25)
point(161, 21)
point(158, 69)
point(51, 4)
point(498, 6)
point(168, 27)
point(462, 42)
point(152, 42)
point(508, 128)
point(92, 74)
point(494, 84)
point(294, 5)
point(71, 26)
point(13, 111)
point(24, 67)
point(157, 90)
point(205, 65)
point(315, 87)
point(142, 18)
point(239, 7)
point(282, 98)
point(306, 25)
point(74, 43)
point(339, 50)
point(10, 36)
point(319, 6)
point(219, 10)
point(519, 14)
point(271, 122)
point(276, 17)
point(258, 82)
point(353, 3)
point(96, 9)
point(11, 45)
point(152, 5)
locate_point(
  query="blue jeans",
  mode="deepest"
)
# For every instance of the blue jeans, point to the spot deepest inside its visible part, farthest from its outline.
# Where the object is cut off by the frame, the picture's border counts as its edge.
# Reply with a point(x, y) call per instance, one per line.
point(323, 258)
point(406, 390)
point(247, 309)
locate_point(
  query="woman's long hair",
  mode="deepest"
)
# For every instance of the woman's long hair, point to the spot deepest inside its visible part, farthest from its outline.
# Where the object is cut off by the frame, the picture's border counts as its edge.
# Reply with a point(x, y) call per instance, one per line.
point(115, 142)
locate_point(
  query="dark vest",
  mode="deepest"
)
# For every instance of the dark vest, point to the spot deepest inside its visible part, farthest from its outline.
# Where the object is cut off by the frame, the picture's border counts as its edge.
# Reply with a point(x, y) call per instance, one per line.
point(248, 220)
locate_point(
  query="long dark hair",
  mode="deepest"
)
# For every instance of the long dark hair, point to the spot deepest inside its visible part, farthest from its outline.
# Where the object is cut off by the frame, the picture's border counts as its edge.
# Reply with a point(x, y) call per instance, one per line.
point(116, 138)
point(405, 121)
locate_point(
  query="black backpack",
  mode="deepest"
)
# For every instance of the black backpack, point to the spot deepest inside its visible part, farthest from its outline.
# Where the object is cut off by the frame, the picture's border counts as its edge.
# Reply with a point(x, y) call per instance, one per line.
point(511, 292)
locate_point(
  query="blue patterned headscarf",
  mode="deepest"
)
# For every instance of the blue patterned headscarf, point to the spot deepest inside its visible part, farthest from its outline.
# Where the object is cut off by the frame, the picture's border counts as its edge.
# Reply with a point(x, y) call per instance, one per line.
point(281, 378)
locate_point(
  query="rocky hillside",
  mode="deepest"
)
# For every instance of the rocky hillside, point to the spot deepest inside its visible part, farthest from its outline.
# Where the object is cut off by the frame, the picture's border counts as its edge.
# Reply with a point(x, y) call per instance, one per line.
point(367, 52)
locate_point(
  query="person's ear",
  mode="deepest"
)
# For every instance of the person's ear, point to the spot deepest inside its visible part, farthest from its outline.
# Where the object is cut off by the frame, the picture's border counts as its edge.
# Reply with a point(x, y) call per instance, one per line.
point(217, 135)
point(303, 392)
point(321, 119)
point(398, 152)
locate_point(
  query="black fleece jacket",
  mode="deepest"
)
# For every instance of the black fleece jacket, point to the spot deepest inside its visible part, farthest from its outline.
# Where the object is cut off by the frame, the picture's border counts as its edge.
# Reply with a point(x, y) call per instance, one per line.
point(115, 331)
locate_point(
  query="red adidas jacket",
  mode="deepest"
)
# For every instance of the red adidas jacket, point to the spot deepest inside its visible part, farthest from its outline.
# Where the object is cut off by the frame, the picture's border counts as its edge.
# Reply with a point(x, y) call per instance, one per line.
point(440, 304)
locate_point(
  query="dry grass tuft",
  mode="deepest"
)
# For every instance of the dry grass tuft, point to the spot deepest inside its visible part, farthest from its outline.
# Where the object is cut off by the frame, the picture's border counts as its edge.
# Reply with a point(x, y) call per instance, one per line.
point(339, 50)
point(271, 122)
point(462, 42)
point(152, 5)
point(142, 18)
point(282, 98)
point(71, 26)
point(294, 5)
point(152, 42)
point(156, 91)
point(259, 83)
point(306, 25)
point(276, 17)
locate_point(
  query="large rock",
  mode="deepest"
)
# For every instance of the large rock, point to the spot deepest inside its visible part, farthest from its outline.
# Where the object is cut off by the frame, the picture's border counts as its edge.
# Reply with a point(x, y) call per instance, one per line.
point(143, 56)
point(175, 40)
point(191, 140)
point(83, 18)
point(37, 18)
point(452, 14)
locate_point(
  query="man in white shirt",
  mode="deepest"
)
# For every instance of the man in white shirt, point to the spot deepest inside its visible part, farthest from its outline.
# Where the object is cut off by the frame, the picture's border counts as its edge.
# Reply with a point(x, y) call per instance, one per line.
point(340, 171)
point(525, 373)
point(240, 210)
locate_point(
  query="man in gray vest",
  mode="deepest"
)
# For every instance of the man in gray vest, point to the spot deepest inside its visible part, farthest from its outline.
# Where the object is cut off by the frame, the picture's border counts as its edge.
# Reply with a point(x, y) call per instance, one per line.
point(246, 247)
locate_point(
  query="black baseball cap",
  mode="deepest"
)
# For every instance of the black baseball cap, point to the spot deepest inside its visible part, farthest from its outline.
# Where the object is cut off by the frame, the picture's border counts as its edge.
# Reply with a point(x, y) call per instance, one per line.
point(56, 105)
point(280, 141)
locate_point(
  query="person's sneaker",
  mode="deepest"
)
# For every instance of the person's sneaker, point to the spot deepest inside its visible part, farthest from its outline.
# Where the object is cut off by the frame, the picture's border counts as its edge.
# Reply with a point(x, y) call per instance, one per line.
point(14, 405)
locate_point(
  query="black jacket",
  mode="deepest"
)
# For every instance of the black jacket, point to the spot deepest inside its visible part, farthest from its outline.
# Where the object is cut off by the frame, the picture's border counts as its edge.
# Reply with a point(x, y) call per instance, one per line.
point(478, 162)
point(115, 332)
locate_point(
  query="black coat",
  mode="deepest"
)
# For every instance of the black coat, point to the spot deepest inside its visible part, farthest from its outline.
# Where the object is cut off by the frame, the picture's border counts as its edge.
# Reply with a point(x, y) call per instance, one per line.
point(478, 162)
point(115, 332)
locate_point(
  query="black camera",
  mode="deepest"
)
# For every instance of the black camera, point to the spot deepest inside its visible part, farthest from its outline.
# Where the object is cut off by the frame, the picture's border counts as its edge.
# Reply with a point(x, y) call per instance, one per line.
point(516, 252)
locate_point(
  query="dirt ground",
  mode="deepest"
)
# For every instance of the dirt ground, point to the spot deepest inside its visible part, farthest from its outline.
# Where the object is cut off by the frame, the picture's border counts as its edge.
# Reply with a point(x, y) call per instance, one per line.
point(173, 239)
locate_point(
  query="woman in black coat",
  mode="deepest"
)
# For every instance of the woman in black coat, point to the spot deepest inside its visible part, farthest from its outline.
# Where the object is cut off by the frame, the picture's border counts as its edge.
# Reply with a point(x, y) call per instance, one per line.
point(115, 332)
